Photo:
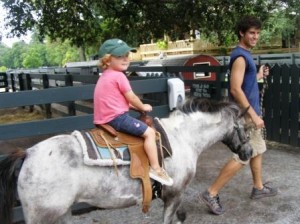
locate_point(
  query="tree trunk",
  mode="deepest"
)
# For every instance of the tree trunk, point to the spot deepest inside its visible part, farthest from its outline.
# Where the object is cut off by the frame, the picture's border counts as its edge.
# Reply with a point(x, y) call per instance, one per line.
point(82, 53)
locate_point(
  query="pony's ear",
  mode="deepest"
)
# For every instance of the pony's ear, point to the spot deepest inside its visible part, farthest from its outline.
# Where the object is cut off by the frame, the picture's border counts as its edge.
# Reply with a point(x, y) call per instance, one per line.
point(244, 111)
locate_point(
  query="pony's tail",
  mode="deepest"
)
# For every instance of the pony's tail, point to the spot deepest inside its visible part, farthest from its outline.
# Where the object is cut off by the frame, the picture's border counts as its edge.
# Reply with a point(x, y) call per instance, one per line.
point(8, 184)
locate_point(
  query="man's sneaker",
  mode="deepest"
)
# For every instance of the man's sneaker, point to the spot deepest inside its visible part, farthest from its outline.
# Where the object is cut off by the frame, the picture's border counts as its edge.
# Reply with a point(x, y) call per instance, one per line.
point(161, 176)
point(267, 191)
point(212, 202)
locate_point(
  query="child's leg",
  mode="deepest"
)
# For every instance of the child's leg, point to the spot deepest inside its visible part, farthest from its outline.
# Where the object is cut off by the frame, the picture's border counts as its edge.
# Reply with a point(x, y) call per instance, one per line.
point(156, 172)
point(150, 148)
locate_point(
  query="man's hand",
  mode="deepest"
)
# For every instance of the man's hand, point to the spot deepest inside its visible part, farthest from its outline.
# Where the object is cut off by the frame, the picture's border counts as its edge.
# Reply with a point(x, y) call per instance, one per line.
point(259, 123)
point(263, 71)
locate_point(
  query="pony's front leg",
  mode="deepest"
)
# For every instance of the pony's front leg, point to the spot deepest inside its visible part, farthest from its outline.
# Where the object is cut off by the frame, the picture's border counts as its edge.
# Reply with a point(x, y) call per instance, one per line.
point(66, 218)
point(171, 204)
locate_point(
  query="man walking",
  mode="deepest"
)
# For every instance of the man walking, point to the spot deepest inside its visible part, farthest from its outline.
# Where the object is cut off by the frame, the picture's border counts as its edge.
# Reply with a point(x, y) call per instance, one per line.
point(244, 91)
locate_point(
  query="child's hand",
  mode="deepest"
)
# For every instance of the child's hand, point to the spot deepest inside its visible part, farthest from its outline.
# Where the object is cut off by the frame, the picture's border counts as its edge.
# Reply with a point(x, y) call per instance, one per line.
point(147, 107)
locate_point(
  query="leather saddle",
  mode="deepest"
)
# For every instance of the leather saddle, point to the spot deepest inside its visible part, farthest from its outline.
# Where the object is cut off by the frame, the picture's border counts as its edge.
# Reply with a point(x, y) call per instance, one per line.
point(106, 136)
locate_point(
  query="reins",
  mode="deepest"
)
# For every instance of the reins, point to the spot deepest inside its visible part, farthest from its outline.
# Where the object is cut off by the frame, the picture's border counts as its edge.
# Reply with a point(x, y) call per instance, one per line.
point(262, 94)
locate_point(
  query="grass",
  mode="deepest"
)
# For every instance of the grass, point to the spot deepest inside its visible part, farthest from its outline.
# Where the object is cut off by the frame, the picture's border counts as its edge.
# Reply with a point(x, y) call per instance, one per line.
point(16, 115)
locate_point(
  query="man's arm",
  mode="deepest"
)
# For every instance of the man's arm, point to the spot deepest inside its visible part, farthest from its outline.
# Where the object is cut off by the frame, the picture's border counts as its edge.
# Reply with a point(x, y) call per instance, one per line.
point(237, 74)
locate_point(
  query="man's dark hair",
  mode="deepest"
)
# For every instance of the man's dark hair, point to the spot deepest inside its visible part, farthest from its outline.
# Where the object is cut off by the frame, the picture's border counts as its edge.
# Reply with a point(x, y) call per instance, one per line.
point(246, 23)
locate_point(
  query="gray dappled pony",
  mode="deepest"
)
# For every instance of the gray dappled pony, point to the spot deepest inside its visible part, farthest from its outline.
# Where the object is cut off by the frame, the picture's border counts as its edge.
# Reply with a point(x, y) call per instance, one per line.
point(53, 177)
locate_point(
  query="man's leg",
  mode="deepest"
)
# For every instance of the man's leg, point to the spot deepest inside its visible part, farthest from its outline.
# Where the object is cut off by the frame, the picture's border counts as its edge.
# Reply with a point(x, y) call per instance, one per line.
point(210, 197)
point(256, 169)
point(259, 190)
point(225, 175)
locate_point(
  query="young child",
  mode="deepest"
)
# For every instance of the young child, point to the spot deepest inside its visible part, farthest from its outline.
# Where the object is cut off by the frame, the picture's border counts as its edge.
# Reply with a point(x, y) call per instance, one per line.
point(113, 96)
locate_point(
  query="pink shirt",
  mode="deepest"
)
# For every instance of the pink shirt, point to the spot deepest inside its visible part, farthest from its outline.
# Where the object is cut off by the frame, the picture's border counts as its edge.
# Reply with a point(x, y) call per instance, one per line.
point(109, 99)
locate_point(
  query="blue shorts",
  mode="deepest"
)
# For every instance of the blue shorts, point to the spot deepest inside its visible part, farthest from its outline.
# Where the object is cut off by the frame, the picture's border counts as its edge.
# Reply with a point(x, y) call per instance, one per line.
point(127, 124)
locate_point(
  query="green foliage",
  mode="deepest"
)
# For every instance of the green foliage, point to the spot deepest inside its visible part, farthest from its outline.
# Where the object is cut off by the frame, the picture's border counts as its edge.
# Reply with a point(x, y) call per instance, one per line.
point(37, 54)
point(14, 57)
point(3, 54)
point(65, 19)
point(3, 69)
point(58, 53)
point(85, 24)
point(162, 44)
point(70, 55)
point(34, 57)
point(223, 51)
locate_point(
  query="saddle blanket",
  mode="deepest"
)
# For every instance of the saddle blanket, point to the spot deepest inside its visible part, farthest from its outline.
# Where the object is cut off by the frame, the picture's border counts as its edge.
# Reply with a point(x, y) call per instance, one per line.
point(102, 156)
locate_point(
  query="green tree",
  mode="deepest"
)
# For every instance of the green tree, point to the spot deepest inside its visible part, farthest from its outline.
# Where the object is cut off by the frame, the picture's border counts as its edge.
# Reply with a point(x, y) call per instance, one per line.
point(3, 69)
point(70, 55)
point(3, 52)
point(14, 57)
point(87, 23)
point(58, 52)
point(35, 56)
point(64, 19)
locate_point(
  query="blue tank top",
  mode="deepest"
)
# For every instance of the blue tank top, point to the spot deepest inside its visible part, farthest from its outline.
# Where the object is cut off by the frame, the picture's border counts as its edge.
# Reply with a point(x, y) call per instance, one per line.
point(249, 85)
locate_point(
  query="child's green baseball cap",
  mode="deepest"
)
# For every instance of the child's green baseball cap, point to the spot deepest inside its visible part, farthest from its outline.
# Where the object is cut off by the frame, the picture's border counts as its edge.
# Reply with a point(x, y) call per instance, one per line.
point(115, 47)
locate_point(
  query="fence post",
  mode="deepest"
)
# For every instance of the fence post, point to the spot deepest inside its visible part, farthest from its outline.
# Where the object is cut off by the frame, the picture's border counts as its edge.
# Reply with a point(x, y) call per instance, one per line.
point(28, 86)
point(13, 82)
point(27, 82)
point(293, 57)
point(258, 59)
point(21, 82)
point(224, 60)
point(218, 85)
point(46, 86)
point(71, 104)
point(4, 81)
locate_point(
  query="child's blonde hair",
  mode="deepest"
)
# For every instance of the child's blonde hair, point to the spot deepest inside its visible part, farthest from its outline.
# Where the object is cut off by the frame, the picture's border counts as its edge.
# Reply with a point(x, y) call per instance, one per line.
point(104, 61)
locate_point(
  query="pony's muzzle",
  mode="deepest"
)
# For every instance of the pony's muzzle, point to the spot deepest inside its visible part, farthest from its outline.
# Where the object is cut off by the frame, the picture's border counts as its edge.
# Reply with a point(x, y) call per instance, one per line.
point(246, 153)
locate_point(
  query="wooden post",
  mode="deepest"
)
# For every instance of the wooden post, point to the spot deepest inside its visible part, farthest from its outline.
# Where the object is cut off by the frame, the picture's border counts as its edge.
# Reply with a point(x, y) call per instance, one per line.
point(71, 104)
point(46, 86)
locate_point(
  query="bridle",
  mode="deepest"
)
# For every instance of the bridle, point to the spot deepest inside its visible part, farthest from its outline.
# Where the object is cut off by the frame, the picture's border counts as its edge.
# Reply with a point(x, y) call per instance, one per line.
point(243, 138)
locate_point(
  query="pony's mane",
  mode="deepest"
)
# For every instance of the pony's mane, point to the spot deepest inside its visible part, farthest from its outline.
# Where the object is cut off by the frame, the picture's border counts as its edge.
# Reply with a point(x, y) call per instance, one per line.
point(195, 104)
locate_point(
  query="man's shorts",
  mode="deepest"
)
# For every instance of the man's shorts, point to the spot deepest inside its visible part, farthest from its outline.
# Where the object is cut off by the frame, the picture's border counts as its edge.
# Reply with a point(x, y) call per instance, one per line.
point(127, 124)
point(258, 144)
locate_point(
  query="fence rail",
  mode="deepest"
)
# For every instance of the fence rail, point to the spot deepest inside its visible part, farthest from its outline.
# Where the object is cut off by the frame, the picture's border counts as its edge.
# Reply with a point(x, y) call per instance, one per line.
point(68, 94)
point(281, 103)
